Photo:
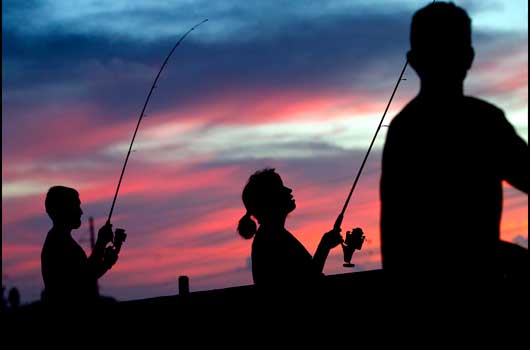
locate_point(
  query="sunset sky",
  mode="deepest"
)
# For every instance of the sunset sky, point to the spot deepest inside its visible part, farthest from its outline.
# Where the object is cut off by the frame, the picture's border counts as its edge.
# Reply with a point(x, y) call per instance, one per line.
point(295, 85)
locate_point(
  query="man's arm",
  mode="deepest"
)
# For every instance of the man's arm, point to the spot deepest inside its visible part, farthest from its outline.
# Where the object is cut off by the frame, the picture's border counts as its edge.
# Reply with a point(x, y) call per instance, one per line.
point(329, 241)
point(102, 258)
point(514, 158)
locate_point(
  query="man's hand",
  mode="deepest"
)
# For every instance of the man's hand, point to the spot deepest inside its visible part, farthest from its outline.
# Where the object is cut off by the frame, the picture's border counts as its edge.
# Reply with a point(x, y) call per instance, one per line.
point(105, 235)
point(110, 257)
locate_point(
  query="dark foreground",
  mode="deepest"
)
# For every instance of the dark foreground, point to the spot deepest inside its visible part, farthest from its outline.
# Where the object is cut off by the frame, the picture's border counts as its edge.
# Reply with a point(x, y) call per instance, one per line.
point(345, 306)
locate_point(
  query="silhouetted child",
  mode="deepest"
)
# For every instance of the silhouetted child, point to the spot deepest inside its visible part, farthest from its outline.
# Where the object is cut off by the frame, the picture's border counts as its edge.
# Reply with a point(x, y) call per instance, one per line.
point(14, 298)
point(279, 260)
point(70, 277)
point(444, 161)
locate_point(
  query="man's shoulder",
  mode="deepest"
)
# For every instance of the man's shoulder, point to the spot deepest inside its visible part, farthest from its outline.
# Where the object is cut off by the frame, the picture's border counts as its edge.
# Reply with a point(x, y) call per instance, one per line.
point(477, 103)
point(59, 247)
point(411, 109)
point(416, 108)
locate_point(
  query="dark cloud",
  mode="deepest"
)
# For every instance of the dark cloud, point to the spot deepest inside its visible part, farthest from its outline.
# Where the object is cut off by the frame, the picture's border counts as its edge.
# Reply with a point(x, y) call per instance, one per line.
point(355, 51)
point(14, 12)
point(328, 53)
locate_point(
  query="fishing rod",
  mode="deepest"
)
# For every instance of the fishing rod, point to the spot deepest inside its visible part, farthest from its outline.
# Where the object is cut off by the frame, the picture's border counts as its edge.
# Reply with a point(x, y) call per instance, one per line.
point(338, 222)
point(355, 238)
point(142, 114)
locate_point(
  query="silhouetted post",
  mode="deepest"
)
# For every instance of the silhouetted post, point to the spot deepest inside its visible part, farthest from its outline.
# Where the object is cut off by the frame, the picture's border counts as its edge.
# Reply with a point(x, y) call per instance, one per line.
point(14, 298)
point(184, 285)
point(92, 234)
point(92, 240)
point(4, 301)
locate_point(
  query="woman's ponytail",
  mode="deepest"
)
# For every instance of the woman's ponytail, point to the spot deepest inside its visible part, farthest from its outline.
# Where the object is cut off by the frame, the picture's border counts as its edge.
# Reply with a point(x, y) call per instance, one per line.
point(247, 227)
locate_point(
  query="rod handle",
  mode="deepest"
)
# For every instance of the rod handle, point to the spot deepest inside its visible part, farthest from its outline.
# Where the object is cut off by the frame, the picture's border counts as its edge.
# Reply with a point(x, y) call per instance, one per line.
point(338, 222)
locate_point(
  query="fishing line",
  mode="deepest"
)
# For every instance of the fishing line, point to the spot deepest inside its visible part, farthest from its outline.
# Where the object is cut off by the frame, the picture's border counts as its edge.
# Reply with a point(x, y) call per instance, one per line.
point(338, 221)
point(142, 114)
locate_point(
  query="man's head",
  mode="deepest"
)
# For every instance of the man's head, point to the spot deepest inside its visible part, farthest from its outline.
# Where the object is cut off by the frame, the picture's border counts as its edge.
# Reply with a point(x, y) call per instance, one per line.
point(64, 206)
point(440, 43)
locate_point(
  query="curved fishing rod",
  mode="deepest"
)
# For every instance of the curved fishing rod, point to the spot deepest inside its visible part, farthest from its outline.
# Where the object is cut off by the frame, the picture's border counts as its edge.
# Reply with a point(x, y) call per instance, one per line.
point(142, 114)
point(338, 222)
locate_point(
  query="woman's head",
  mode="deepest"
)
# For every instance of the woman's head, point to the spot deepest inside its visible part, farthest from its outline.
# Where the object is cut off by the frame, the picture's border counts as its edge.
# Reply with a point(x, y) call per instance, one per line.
point(266, 198)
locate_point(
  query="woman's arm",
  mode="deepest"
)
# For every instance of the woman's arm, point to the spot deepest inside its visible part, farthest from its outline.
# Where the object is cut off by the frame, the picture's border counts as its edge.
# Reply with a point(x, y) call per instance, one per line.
point(329, 241)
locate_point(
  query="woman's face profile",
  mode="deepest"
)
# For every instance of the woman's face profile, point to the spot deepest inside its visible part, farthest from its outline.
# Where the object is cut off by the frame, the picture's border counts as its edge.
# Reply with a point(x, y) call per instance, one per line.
point(283, 196)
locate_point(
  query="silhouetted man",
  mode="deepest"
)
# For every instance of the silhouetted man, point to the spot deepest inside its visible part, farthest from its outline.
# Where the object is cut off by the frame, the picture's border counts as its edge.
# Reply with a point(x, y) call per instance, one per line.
point(444, 160)
point(70, 278)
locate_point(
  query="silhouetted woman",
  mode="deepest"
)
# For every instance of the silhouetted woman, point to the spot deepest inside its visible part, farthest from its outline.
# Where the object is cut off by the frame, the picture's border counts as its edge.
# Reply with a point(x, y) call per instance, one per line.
point(278, 258)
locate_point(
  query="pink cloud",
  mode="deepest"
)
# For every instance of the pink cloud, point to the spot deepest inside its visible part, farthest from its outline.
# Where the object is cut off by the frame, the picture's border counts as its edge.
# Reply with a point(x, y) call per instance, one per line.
point(259, 107)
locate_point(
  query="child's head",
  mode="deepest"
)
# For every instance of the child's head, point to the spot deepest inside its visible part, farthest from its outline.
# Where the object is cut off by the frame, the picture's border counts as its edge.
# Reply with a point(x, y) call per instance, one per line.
point(440, 43)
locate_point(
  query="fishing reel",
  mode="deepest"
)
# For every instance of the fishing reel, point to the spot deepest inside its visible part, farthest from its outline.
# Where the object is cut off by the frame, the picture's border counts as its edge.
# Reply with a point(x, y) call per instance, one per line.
point(119, 238)
point(112, 251)
point(354, 240)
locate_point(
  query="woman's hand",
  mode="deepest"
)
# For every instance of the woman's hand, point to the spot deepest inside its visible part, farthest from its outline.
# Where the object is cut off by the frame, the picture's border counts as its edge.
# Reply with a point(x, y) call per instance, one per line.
point(331, 239)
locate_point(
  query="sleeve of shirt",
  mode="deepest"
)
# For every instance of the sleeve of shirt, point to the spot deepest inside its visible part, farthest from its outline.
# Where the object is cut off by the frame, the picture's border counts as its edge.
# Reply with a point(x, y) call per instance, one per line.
point(513, 155)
